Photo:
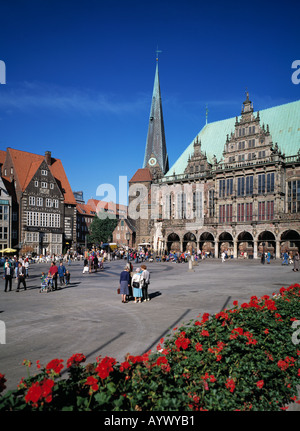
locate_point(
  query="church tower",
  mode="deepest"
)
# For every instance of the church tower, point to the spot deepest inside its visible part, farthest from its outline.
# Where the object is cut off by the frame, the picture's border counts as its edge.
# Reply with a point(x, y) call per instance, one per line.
point(156, 157)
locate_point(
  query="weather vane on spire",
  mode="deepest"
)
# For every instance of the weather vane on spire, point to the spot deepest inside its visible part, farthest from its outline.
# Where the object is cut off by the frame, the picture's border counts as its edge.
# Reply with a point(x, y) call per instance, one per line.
point(157, 52)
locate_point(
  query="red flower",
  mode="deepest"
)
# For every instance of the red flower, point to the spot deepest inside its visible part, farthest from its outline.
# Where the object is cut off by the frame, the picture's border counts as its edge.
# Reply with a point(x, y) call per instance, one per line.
point(75, 360)
point(124, 366)
point(182, 342)
point(40, 391)
point(230, 385)
point(93, 383)
point(198, 347)
point(260, 384)
point(282, 365)
point(161, 360)
point(34, 393)
point(55, 365)
point(205, 333)
point(105, 367)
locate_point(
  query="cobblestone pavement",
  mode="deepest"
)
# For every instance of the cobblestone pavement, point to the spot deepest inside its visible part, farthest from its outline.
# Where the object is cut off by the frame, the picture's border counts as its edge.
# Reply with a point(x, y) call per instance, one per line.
point(88, 317)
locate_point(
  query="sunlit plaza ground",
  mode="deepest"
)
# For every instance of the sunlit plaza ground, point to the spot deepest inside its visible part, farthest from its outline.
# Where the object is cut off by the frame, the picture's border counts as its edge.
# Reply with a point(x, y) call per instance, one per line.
point(88, 317)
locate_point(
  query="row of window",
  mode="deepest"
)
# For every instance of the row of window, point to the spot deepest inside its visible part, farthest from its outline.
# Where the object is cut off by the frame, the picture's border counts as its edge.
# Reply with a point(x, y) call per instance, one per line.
point(181, 209)
point(245, 212)
point(3, 232)
point(293, 196)
point(45, 237)
point(39, 202)
point(251, 156)
point(43, 184)
point(43, 219)
point(242, 131)
point(265, 184)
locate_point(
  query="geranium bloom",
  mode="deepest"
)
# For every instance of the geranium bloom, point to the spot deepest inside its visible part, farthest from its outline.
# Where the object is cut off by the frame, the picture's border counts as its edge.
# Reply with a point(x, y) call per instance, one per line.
point(282, 365)
point(198, 347)
point(205, 333)
point(105, 367)
point(260, 384)
point(230, 385)
point(124, 366)
point(182, 343)
point(40, 391)
point(75, 360)
point(93, 383)
point(55, 365)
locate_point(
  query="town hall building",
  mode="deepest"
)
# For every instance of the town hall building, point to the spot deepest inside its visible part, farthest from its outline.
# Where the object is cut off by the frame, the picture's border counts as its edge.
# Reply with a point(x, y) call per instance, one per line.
point(236, 187)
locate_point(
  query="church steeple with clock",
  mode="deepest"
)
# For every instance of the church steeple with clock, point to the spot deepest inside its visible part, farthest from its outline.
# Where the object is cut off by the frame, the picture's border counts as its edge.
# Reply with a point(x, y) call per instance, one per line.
point(156, 157)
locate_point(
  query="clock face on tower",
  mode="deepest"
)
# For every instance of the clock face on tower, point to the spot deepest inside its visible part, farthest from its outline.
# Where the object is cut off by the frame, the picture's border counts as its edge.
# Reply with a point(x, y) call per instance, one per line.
point(152, 161)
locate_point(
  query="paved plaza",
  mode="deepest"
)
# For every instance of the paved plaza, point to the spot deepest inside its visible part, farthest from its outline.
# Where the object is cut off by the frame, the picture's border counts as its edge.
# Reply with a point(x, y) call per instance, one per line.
point(88, 316)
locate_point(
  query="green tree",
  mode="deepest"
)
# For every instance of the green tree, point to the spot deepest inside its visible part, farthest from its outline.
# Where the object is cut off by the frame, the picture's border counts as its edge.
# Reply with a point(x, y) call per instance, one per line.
point(101, 229)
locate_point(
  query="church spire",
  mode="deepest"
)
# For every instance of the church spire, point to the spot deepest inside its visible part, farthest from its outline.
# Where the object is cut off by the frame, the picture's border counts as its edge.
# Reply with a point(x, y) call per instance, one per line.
point(156, 150)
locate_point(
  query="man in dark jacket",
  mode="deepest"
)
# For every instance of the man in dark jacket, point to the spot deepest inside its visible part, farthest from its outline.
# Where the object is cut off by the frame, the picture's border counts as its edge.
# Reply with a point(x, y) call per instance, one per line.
point(8, 271)
point(21, 276)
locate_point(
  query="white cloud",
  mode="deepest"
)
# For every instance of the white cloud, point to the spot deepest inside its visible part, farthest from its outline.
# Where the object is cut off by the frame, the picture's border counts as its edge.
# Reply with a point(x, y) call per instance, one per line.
point(32, 95)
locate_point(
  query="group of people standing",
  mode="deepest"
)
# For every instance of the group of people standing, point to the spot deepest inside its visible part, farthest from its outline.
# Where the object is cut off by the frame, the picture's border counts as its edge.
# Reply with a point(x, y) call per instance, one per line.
point(134, 284)
point(17, 268)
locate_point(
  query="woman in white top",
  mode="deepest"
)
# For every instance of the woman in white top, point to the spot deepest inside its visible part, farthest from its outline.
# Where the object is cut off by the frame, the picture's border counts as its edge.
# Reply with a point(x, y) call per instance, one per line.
point(136, 283)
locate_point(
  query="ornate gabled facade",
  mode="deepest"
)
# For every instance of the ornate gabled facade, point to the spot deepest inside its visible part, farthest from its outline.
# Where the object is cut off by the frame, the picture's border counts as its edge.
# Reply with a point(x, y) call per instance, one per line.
point(43, 204)
point(236, 187)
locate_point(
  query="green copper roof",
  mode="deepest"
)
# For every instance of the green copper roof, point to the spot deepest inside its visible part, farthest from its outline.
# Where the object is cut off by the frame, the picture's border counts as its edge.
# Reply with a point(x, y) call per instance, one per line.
point(284, 127)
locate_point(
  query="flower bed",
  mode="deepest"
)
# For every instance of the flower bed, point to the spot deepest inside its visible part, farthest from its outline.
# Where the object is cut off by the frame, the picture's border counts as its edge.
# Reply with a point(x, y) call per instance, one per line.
point(243, 358)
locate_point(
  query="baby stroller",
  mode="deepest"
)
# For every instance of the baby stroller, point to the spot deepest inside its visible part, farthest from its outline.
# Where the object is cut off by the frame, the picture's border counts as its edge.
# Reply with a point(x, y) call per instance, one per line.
point(46, 284)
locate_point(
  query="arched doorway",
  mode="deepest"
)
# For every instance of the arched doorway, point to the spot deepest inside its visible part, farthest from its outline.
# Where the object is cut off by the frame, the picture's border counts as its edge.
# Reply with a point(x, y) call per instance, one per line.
point(207, 243)
point(173, 242)
point(245, 245)
point(190, 242)
point(290, 241)
point(226, 243)
point(266, 243)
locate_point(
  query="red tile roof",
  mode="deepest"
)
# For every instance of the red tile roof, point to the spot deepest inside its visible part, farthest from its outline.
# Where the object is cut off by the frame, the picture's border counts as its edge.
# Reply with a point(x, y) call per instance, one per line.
point(98, 204)
point(85, 209)
point(26, 164)
point(2, 156)
point(141, 175)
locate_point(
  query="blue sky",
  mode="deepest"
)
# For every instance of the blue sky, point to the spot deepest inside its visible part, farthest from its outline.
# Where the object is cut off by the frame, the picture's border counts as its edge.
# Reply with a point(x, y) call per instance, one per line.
point(80, 74)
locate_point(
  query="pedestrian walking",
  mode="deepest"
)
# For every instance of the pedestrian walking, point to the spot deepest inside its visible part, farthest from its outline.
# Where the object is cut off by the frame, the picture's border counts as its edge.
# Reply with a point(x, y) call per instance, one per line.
point(8, 273)
point(136, 283)
point(145, 283)
point(124, 284)
point(296, 262)
point(53, 271)
point(268, 257)
point(21, 277)
point(285, 258)
point(61, 273)
point(68, 276)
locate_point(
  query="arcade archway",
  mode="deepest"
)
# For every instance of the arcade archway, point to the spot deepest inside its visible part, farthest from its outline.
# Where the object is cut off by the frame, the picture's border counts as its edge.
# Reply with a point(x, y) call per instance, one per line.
point(173, 242)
